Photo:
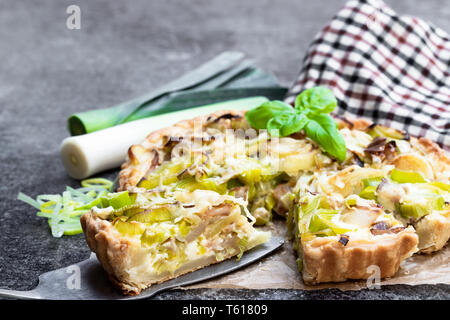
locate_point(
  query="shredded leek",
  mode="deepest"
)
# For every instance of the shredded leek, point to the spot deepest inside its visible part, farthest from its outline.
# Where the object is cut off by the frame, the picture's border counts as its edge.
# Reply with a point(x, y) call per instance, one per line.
point(369, 193)
point(64, 211)
point(375, 181)
point(151, 216)
point(23, 197)
point(349, 202)
point(382, 131)
point(192, 184)
point(97, 182)
point(262, 216)
point(441, 185)
point(184, 228)
point(418, 209)
point(132, 228)
point(316, 218)
point(165, 174)
point(116, 200)
point(150, 237)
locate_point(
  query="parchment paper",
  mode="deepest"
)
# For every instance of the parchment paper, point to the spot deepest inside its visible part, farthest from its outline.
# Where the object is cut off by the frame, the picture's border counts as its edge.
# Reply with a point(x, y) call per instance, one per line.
point(279, 271)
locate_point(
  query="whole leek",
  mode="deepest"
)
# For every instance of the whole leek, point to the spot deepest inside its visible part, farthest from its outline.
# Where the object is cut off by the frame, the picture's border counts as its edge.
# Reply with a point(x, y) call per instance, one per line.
point(225, 77)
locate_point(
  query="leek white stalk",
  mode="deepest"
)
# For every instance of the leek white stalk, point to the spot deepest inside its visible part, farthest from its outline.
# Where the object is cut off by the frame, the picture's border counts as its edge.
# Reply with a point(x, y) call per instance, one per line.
point(105, 149)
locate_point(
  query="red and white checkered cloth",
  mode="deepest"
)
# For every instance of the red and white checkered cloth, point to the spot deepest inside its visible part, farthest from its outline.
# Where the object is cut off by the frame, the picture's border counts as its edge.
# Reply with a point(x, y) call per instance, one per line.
point(392, 69)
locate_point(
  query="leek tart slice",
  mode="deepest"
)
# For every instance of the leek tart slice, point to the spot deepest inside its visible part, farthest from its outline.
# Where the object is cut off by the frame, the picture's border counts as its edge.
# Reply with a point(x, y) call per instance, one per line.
point(337, 241)
point(425, 205)
point(408, 195)
point(161, 236)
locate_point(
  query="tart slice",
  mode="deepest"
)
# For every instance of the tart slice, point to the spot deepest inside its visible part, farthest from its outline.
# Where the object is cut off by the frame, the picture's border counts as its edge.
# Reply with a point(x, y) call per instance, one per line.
point(146, 238)
point(419, 202)
point(408, 195)
point(340, 240)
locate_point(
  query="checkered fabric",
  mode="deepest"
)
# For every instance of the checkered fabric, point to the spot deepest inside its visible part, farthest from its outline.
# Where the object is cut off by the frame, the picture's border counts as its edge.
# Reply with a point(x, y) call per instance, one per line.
point(391, 69)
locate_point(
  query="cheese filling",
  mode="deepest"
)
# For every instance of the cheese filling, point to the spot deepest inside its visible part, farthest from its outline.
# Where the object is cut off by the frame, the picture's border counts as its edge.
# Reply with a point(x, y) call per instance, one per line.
point(171, 229)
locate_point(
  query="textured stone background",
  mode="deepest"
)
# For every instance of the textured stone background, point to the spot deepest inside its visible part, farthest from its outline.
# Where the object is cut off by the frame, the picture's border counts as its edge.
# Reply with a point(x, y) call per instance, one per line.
point(124, 49)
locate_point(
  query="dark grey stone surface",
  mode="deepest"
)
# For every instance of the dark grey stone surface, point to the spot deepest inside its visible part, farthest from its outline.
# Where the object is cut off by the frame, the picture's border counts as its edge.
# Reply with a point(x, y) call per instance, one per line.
point(124, 49)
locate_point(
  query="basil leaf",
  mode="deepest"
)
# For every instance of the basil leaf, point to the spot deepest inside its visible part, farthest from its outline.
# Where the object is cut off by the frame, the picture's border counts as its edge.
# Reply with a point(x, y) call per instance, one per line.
point(296, 123)
point(315, 101)
point(275, 124)
point(260, 116)
point(310, 114)
point(286, 124)
point(322, 129)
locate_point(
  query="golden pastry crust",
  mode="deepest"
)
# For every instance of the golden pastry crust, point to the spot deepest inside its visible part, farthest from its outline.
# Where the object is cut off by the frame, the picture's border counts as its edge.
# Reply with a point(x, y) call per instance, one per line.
point(351, 123)
point(325, 259)
point(118, 255)
point(141, 158)
point(433, 231)
point(111, 251)
point(432, 148)
point(438, 158)
point(145, 156)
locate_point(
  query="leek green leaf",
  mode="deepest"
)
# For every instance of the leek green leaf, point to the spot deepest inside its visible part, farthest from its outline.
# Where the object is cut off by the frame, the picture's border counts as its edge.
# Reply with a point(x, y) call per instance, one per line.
point(372, 181)
point(224, 78)
point(418, 209)
point(150, 216)
point(129, 228)
point(117, 200)
point(184, 228)
point(262, 216)
point(369, 193)
point(191, 184)
point(386, 132)
point(150, 237)
point(350, 202)
point(243, 242)
point(401, 176)
point(441, 185)
point(322, 220)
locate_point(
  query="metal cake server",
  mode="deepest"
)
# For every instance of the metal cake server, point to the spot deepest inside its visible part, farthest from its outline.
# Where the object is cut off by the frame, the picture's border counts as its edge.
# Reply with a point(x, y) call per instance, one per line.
point(95, 285)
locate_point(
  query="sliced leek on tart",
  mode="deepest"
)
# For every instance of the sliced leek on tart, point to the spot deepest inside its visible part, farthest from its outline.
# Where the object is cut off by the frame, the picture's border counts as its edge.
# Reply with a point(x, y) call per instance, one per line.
point(336, 241)
point(159, 236)
point(345, 215)
point(408, 195)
